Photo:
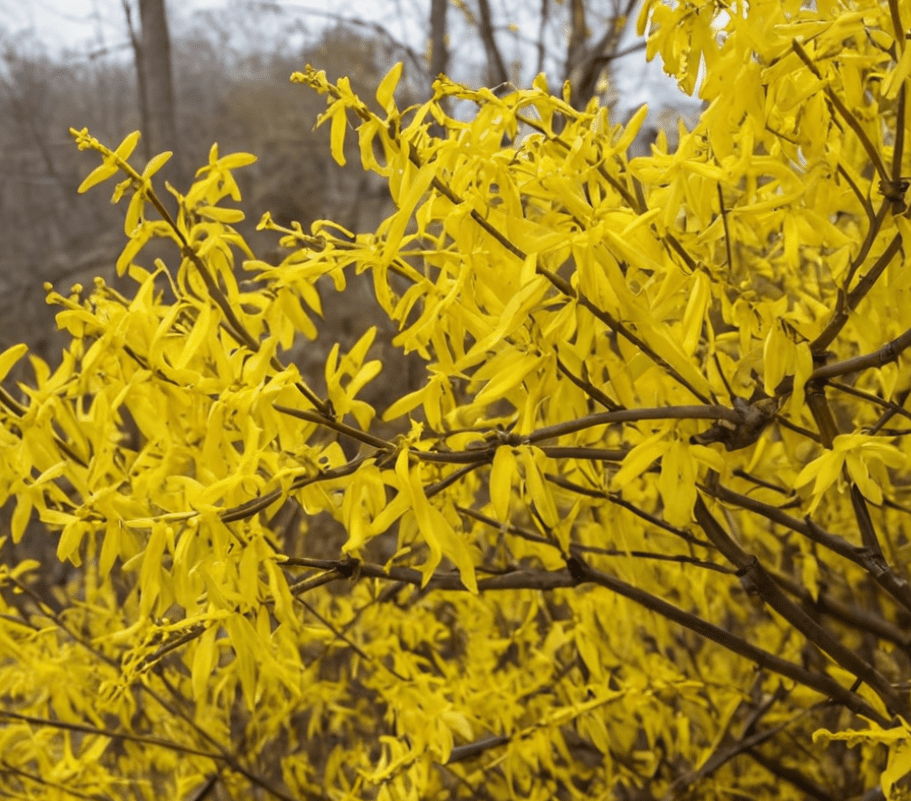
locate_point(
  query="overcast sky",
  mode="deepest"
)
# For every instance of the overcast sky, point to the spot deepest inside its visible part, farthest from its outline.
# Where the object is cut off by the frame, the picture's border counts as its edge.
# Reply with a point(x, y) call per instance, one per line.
point(84, 26)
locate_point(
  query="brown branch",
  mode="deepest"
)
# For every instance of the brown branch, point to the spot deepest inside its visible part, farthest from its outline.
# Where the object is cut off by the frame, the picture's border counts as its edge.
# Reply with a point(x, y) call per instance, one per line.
point(897, 587)
point(853, 298)
point(889, 414)
point(460, 753)
point(751, 569)
point(721, 757)
point(804, 432)
point(806, 526)
point(581, 452)
point(898, 185)
point(861, 197)
point(764, 659)
point(617, 499)
point(452, 478)
point(587, 387)
point(852, 616)
point(707, 412)
point(879, 357)
point(84, 728)
point(868, 534)
point(875, 561)
point(5, 767)
point(865, 247)
point(263, 502)
point(846, 113)
point(541, 580)
point(335, 425)
point(891, 406)
point(898, 30)
point(724, 222)
point(790, 775)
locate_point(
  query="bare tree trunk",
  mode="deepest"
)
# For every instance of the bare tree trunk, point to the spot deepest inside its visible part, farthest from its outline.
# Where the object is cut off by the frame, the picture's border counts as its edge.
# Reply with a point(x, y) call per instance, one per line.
point(439, 53)
point(578, 34)
point(144, 121)
point(542, 25)
point(496, 68)
point(159, 83)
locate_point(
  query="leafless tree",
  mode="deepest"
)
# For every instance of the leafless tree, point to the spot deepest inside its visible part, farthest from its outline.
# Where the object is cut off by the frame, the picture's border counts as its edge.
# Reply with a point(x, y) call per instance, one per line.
point(589, 55)
point(577, 40)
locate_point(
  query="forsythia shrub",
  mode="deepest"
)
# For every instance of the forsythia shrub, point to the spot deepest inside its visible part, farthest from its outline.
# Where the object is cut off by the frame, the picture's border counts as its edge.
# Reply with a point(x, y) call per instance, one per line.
point(641, 533)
